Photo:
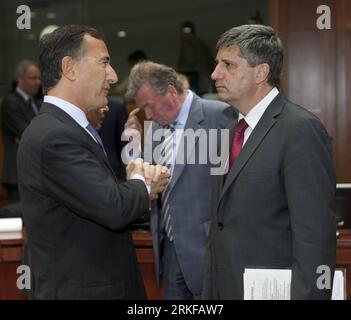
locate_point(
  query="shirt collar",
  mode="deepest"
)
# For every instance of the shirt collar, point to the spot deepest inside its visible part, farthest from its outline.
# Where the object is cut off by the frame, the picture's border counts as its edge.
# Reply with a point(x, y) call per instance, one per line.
point(258, 110)
point(24, 95)
point(184, 110)
point(76, 113)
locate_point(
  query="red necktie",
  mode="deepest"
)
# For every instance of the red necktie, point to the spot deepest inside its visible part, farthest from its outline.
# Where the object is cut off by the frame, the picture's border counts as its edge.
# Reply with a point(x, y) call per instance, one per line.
point(238, 141)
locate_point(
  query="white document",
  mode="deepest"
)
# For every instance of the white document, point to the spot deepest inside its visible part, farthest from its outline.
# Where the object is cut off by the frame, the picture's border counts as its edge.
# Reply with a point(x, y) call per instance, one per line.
point(267, 284)
point(11, 224)
point(274, 284)
point(338, 286)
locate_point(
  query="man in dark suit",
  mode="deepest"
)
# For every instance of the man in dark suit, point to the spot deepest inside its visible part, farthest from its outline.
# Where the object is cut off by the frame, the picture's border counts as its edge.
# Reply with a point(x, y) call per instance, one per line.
point(17, 110)
point(109, 121)
point(275, 207)
point(180, 232)
point(111, 131)
point(77, 215)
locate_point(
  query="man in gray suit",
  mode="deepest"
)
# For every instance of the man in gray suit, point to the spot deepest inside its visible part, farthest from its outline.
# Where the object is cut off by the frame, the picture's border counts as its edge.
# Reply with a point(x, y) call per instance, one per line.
point(180, 217)
point(275, 207)
point(17, 110)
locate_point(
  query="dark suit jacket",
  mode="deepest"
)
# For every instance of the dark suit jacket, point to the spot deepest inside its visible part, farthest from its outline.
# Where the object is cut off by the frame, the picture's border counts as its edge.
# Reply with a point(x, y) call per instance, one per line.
point(190, 195)
point(15, 117)
point(276, 207)
point(77, 216)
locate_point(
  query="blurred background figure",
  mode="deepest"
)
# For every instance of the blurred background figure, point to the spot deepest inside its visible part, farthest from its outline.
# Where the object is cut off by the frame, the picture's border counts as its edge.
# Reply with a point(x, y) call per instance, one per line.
point(195, 59)
point(17, 110)
point(111, 132)
point(120, 88)
point(121, 111)
point(184, 79)
point(96, 117)
point(109, 121)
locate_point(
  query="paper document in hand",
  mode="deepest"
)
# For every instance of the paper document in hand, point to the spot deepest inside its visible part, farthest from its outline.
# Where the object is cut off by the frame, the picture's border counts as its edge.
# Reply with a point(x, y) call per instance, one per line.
point(274, 284)
point(267, 284)
point(338, 286)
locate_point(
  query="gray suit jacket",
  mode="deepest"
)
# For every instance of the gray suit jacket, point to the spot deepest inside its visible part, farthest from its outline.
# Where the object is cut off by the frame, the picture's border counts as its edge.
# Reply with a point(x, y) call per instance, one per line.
point(190, 194)
point(77, 215)
point(276, 207)
point(15, 117)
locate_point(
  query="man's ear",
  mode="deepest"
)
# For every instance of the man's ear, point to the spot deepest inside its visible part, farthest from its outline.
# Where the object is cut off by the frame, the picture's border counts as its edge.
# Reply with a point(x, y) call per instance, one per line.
point(67, 67)
point(262, 73)
point(172, 91)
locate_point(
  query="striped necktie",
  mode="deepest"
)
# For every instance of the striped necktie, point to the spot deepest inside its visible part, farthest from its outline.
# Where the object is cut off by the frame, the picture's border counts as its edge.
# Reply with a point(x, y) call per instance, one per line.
point(167, 160)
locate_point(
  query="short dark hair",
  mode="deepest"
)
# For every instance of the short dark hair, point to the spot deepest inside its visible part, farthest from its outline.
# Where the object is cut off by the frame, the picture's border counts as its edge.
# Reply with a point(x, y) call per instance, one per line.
point(64, 41)
point(258, 44)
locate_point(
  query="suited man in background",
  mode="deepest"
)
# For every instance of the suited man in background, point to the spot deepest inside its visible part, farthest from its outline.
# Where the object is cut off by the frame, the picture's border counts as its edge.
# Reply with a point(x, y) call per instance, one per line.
point(109, 121)
point(76, 212)
point(17, 110)
point(111, 131)
point(275, 206)
point(180, 217)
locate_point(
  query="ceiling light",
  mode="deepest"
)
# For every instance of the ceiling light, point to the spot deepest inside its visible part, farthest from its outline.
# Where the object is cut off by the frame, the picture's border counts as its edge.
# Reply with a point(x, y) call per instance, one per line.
point(51, 15)
point(121, 34)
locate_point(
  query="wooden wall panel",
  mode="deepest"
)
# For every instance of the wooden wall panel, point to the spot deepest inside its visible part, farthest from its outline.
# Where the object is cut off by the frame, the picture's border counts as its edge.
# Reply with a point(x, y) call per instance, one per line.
point(317, 70)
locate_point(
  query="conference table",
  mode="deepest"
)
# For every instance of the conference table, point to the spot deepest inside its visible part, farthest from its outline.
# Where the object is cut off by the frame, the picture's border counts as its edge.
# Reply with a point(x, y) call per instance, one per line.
point(11, 251)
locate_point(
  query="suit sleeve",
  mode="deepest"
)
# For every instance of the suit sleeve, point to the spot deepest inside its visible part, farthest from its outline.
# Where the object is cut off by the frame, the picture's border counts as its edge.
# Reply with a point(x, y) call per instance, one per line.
point(310, 187)
point(73, 175)
point(12, 117)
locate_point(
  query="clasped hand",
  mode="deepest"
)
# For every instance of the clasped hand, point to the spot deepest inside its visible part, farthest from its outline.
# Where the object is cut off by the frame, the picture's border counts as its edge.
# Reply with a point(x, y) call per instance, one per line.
point(156, 176)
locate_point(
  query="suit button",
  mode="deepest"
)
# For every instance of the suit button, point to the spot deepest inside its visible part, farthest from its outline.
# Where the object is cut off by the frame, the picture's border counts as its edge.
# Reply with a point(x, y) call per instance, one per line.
point(220, 226)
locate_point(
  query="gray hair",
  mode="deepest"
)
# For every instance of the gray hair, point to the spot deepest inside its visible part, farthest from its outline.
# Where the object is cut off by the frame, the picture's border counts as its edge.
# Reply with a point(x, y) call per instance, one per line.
point(158, 76)
point(22, 66)
point(258, 44)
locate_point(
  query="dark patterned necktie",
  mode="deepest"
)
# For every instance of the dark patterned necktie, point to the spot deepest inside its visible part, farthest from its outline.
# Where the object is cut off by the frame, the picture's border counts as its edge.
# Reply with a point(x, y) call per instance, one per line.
point(32, 107)
point(97, 137)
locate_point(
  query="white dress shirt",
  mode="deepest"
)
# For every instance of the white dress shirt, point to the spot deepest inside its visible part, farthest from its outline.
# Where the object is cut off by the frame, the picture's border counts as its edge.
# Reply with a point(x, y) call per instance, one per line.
point(257, 112)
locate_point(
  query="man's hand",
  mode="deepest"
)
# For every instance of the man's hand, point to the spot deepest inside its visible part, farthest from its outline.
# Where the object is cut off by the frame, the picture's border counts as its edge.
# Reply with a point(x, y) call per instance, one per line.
point(133, 121)
point(157, 177)
point(133, 131)
point(135, 167)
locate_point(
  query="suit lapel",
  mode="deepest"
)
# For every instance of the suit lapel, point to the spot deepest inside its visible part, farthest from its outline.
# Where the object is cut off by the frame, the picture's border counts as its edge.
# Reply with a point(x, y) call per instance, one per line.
point(64, 117)
point(195, 117)
point(218, 180)
point(267, 121)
